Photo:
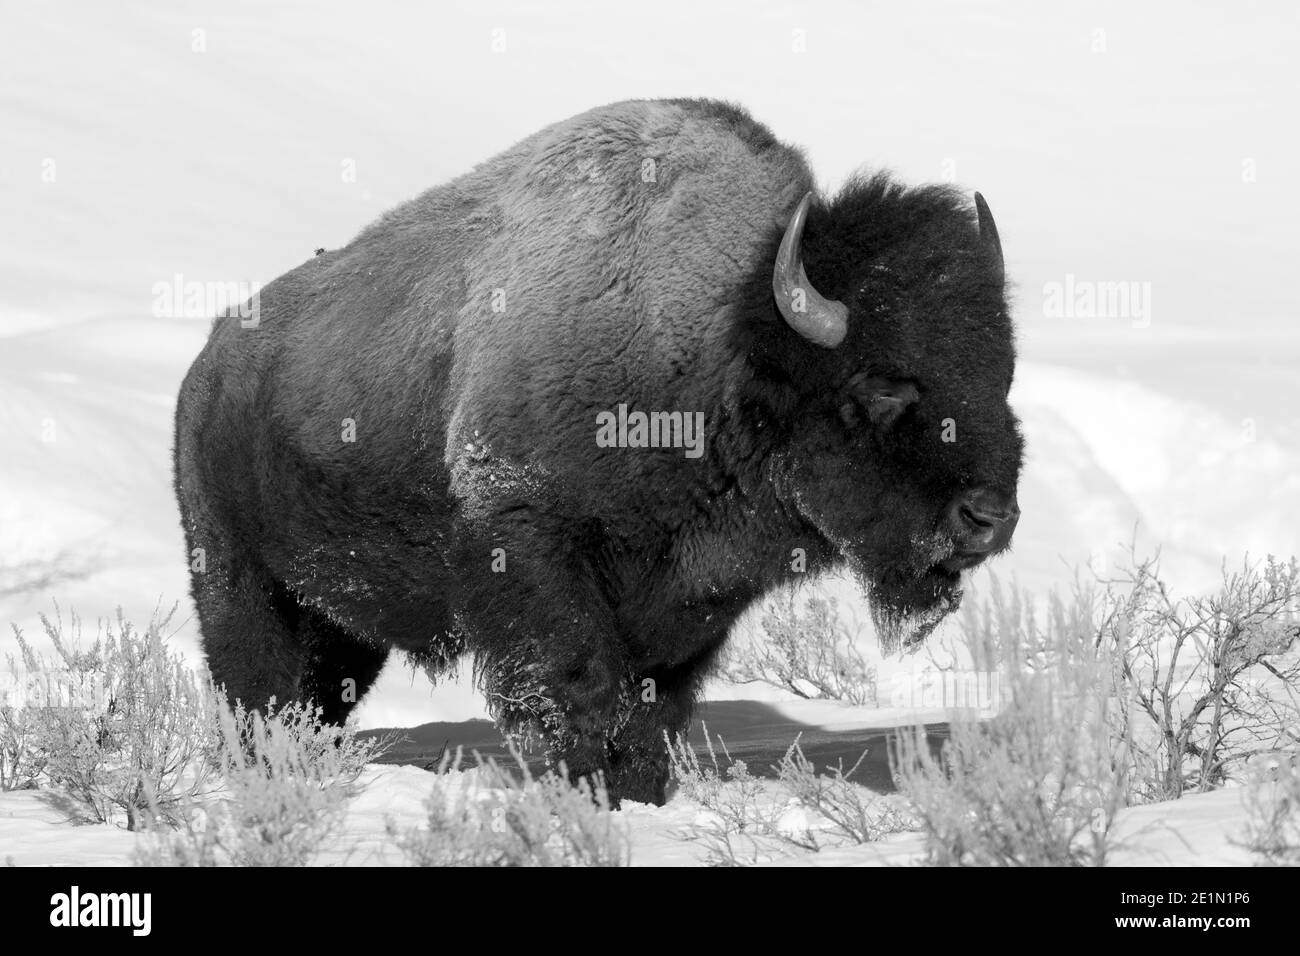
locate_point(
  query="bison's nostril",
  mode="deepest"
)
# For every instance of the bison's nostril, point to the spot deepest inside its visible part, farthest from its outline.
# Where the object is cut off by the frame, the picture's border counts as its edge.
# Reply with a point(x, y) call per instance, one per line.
point(981, 521)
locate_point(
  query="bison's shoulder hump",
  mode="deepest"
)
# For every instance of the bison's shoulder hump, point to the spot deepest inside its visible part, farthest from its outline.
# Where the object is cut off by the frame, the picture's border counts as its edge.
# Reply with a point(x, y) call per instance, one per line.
point(640, 153)
point(650, 162)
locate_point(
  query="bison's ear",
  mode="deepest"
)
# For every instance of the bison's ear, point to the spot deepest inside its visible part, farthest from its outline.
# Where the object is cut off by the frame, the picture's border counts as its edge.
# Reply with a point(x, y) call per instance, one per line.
point(989, 235)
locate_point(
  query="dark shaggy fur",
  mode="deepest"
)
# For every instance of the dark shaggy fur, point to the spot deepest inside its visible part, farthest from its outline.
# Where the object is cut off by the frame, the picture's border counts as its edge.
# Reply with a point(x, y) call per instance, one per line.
point(472, 336)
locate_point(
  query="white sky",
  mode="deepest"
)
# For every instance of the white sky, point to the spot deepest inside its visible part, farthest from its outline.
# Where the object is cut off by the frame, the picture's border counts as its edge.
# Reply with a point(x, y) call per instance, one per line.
point(1122, 165)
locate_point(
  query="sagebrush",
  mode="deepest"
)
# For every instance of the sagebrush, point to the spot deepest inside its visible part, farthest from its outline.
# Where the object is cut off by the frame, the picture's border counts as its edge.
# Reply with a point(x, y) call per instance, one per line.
point(1039, 783)
point(1208, 680)
point(286, 780)
point(1272, 800)
point(1120, 693)
point(807, 647)
point(747, 819)
point(493, 816)
point(122, 724)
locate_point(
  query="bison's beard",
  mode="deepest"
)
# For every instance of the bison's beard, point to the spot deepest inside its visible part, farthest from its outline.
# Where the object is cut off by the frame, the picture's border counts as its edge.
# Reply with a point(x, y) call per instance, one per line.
point(900, 564)
point(910, 596)
point(906, 610)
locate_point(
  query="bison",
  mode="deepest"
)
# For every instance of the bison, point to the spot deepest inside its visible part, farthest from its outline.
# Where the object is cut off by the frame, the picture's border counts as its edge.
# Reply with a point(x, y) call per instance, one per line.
point(575, 411)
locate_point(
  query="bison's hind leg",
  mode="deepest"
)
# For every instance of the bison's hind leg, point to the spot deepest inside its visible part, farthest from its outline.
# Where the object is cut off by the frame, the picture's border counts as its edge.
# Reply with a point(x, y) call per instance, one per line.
point(263, 643)
point(249, 629)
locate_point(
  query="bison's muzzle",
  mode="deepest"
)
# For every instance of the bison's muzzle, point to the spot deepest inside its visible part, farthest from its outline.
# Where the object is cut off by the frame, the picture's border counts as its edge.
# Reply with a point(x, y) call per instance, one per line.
point(981, 523)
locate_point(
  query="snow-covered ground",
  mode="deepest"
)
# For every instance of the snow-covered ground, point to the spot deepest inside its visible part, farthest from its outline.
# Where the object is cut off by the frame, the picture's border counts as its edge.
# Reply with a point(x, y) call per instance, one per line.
point(40, 828)
point(224, 142)
point(1198, 830)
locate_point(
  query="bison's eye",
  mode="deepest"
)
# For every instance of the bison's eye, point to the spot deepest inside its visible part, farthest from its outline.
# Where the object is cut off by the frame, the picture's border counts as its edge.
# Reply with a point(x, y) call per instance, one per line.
point(881, 400)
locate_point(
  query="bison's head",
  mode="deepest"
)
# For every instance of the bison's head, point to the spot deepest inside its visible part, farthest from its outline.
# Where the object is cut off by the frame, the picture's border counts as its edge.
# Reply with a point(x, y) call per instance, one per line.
point(894, 361)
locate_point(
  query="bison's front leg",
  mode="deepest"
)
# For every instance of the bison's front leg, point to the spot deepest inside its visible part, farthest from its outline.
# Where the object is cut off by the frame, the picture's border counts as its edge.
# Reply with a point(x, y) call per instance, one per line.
point(659, 710)
point(583, 697)
point(549, 652)
point(562, 671)
point(638, 759)
point(596, 715)
point(549, 664)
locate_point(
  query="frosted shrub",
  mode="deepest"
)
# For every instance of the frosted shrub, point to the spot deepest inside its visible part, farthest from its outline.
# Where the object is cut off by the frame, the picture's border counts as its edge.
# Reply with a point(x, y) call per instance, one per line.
point(735, 824)
point(1039, 783)
point(807, 650)
point(1272, 800)
point(733, 793)
point(287, 778)
point(1208, 681)
point(137, 737)
point(1123, 693)
point(488, 816)
point(22, 757)
point(21, 762)
point(745, 819)
point(839, 811)
point(122, 725)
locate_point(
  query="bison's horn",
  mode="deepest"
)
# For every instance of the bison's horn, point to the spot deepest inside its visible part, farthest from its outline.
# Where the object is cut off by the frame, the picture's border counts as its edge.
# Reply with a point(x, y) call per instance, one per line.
point(989, 234)
point(821, 321)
